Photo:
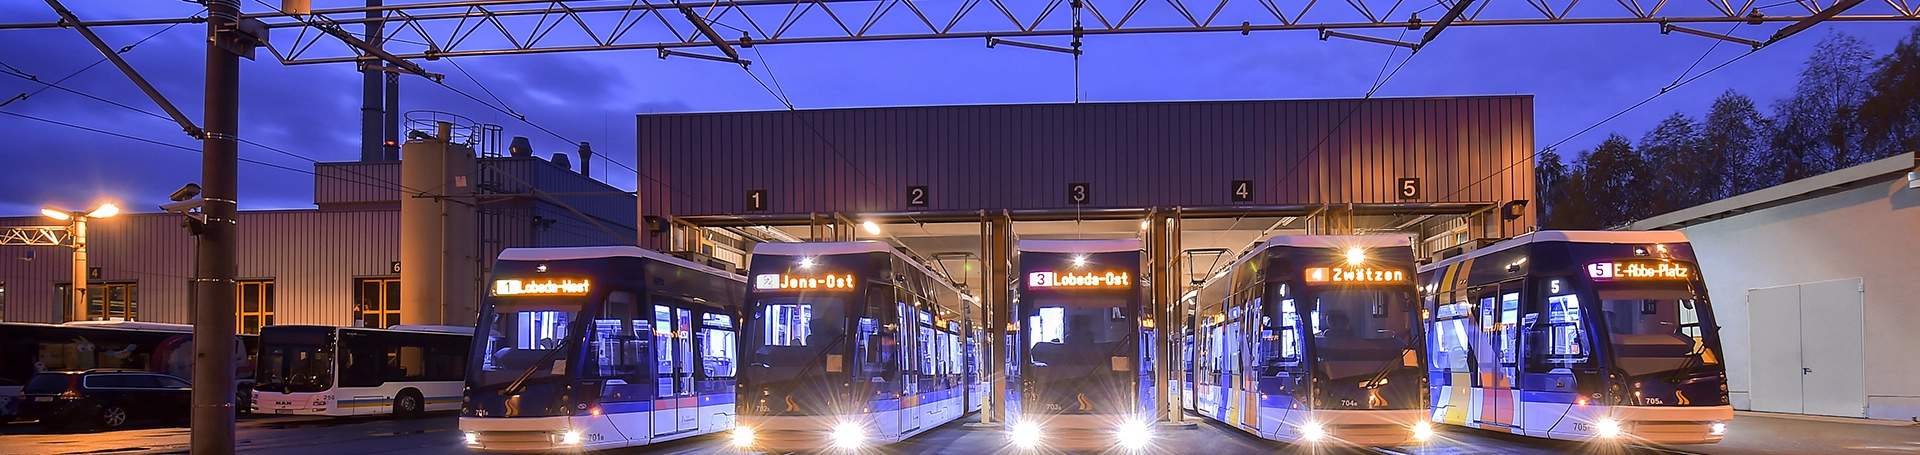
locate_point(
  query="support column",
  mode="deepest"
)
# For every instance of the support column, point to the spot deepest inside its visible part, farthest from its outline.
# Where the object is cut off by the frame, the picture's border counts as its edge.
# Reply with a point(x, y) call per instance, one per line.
point(997, 266)
point(1156, 234)
point(79, 287)
point(213, 320)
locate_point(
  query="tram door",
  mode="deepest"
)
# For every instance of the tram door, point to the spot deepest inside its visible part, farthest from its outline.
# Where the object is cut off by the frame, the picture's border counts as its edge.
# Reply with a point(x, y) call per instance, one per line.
point(675, 407)
point(1250, 371)
point(1499, 311)
point(909, 361)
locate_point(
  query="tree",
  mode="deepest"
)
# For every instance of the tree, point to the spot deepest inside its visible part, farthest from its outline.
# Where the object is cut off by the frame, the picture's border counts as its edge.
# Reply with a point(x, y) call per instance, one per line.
point(1732, 134)
point(1680, 174)
point(1891, 113)
point(1818, 126)
point(1614, 178)
point(1550, 183)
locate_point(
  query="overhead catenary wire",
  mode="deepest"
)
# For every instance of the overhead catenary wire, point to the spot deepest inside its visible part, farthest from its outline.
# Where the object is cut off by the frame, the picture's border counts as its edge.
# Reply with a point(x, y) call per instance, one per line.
point(16, 72)
point(1669, 88)
point(1375, 88)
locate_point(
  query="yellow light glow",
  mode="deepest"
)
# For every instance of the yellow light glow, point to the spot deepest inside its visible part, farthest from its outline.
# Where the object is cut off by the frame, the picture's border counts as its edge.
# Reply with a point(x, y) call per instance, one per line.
point(105, 210)
point(1355, 256)
point(547, 287)
point(1422, 431)
point(742, 436)
point(871, 228)
point(55, 214)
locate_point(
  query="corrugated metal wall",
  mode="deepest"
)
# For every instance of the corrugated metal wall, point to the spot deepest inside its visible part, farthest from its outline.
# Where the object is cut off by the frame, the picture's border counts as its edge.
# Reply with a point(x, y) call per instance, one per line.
point(1132, 154)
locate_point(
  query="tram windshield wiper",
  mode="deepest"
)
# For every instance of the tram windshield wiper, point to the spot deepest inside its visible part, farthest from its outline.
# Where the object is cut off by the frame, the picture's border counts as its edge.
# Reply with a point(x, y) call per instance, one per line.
point(520, 383)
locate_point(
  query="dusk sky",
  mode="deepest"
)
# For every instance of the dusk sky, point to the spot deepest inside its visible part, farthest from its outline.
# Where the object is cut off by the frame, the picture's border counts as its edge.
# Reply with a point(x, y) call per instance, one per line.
point(1579, 75)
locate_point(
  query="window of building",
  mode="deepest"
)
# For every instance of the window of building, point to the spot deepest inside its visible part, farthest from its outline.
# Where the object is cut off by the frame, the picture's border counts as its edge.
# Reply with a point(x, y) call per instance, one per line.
point(376, 302)
point(105, 301)
point(255, 305)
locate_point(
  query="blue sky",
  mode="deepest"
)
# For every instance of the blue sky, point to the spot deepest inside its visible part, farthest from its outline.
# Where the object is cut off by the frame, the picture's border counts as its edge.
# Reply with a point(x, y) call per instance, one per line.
point(1579, 75)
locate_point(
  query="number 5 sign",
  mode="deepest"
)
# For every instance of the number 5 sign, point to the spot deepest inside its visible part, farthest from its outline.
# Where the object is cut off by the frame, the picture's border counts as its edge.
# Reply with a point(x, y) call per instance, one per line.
point(1409, 188)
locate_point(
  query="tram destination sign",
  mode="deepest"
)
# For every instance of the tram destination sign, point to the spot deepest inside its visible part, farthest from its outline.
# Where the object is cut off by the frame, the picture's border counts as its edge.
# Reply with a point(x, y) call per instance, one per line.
point(1638, 270)
point(1081, 280)
point(781, 282)
point(565, 286)
point(1354, 275)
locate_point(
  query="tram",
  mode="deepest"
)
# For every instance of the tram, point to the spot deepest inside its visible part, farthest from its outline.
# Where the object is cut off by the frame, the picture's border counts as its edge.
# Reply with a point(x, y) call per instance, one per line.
point(850, 346)
point(1314, 340)
point(1577, 335)
point(1080, 372)
point(589, 348)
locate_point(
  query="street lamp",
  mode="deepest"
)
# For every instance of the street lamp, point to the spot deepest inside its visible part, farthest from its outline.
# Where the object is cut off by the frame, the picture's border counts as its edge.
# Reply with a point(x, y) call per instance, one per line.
point(78, 222)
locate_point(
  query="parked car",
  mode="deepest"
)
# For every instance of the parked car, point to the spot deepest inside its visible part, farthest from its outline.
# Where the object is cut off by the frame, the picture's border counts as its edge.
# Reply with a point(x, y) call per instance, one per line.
point(104, 398)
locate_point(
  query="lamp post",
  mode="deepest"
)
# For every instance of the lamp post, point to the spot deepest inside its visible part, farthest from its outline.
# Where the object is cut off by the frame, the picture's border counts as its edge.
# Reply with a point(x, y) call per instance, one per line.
point(77, 220)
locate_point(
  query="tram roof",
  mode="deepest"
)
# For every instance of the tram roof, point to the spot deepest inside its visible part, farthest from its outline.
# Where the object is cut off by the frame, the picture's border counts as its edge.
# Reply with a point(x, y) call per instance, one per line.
point(610, 251)
point(1616, 237)
point(1079, 246)
point(1341, 241)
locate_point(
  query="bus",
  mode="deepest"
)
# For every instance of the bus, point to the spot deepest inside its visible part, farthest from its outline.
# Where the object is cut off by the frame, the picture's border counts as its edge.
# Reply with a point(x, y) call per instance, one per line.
point(851, 346)
point(1080, 371)
point(1577, 335)
point(1314, 340)
point(590, 348)
point(30, 348)
point(403, 370)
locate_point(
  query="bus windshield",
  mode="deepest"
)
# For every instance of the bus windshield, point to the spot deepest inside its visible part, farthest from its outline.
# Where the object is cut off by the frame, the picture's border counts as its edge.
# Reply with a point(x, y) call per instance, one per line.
point(792, 337)
point(525, 338)
point(296, 361)
point(1361, 331)
point(1658, 330)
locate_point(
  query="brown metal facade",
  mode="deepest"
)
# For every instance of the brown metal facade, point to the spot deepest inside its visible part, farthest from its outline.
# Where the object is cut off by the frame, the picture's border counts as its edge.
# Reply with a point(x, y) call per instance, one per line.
point(1465, 149)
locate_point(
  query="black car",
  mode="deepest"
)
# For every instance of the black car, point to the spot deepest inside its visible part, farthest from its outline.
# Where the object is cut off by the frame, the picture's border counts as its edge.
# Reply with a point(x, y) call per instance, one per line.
point(104, 398)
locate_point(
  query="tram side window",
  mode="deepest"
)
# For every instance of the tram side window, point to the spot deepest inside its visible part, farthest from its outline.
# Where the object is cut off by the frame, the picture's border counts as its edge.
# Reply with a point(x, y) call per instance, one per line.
point(1287, 339)
point(617, 350)
point(1558, 338)
point(1451, 342)
point(673, 347)
point(717, 344)
point(877, 343)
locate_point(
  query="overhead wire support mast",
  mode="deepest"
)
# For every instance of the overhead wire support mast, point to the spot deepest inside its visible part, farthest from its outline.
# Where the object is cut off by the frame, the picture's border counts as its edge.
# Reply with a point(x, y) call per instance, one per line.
point(68, 18)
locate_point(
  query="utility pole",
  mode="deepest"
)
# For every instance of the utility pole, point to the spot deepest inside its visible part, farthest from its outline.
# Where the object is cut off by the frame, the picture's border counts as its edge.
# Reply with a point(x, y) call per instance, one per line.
point(213, 322)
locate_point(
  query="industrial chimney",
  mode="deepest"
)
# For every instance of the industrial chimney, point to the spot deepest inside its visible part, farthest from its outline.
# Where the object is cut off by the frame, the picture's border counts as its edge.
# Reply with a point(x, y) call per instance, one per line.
point(520, 148)
point(561, 159)
point(586, 159)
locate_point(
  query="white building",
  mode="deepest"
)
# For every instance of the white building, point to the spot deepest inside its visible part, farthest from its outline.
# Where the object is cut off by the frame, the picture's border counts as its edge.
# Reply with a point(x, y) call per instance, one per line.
point(1814, 288)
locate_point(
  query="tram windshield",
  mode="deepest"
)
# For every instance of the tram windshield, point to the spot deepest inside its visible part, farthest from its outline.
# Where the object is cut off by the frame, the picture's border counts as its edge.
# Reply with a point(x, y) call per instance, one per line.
point(1361, 331)
point(1658, 330)
point(1077, 350)
point(792, 337)
point(525, 338)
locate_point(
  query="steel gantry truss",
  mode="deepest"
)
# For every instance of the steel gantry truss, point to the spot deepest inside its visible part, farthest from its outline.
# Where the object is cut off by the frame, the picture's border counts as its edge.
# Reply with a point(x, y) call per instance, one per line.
point(36, 236)
point(429, 31)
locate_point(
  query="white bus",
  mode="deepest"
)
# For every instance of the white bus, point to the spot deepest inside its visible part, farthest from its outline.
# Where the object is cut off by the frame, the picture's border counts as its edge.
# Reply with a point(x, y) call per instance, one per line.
point(348, 371)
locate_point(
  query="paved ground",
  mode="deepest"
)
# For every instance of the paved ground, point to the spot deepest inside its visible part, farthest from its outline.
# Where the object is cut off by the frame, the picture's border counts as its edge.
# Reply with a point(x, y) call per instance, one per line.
point(1750, 433)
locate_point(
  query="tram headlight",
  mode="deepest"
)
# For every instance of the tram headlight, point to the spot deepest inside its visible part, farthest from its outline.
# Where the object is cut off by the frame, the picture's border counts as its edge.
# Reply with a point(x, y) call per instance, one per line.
point(1313, 432)
point(1607, 428)
point(1026, 435)
point(848, 435)
point(742, 436)
point(473, 438)
point(1717, 429)
point(1422, 431)
point(1134, 435)
point(570, 438)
